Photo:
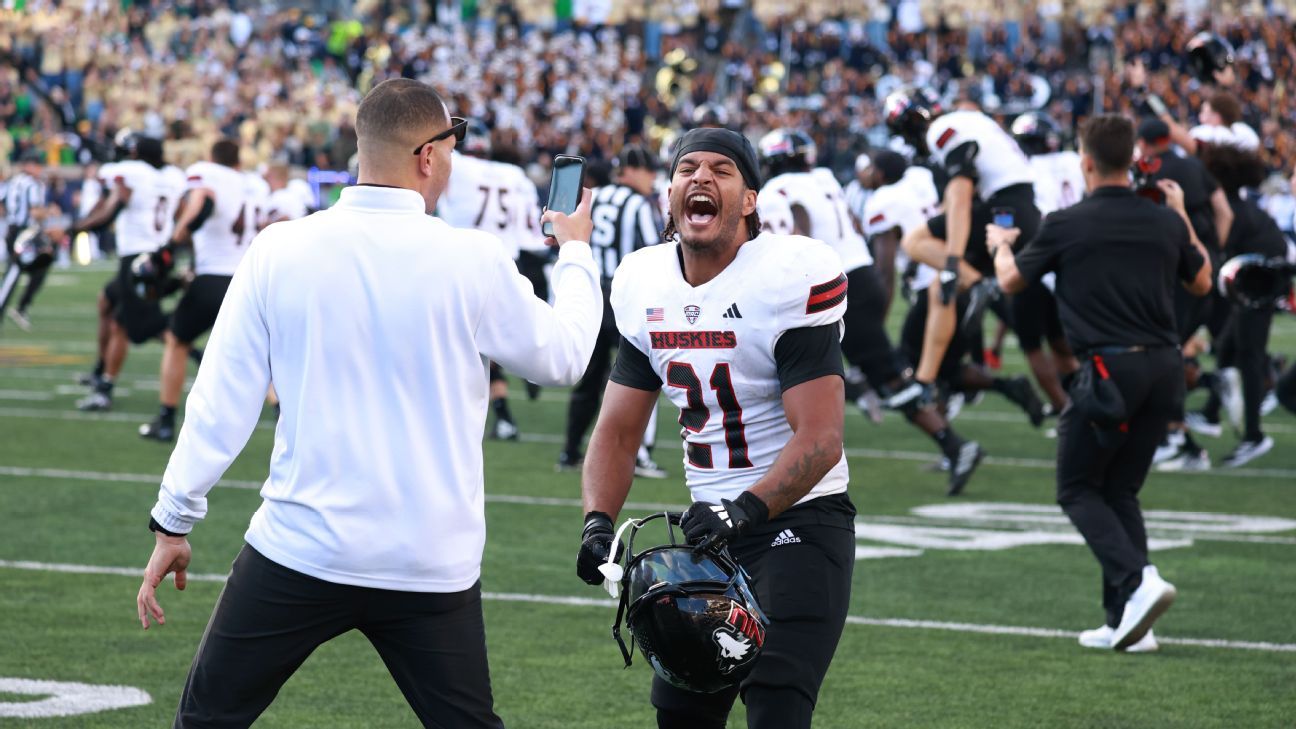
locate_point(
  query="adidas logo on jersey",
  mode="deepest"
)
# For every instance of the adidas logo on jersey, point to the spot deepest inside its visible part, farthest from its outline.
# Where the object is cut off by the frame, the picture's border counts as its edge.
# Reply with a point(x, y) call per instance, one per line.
point(785, 537)
point(732, 313)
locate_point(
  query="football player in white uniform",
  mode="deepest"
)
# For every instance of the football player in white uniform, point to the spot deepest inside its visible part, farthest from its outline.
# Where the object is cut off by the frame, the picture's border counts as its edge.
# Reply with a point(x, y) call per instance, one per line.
point(216, 215)
point(741, 328)
point(989, 178)
point(491, 197)
point(1059, 184)
point(818, 210)
point(143, 192)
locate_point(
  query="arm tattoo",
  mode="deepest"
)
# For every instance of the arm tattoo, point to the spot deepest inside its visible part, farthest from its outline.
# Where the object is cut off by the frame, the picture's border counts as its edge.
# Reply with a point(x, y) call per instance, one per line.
point(800, 475)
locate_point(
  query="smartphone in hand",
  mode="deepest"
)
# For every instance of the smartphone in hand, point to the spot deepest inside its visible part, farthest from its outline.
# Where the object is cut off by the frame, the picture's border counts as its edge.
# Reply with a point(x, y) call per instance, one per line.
point(564, 187)
point(1003, 217)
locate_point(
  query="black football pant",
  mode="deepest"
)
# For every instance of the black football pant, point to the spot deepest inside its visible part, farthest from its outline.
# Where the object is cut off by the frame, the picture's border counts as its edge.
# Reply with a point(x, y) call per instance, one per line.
point(1099, 476)
point(1285, 389)
point(865, 343)
point(270, 618)
point(586, 395)
point(804, 588)
point(1244, 343)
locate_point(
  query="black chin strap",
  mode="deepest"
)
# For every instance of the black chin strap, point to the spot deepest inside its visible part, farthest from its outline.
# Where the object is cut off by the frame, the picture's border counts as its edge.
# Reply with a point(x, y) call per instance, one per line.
point(626, 653)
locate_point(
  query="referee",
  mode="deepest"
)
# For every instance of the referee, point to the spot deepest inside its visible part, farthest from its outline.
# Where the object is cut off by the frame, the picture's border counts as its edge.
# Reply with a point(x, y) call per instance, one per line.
point(24, 204)
point(374, 317)
point(625, 220)
point(1117, 257)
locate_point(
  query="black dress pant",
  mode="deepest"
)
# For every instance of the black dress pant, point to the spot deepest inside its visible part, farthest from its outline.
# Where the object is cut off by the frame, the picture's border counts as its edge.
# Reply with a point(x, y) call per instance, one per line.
point(270, 618)
point(9, 281)
point(1244, 343)
point(803, 582)
point(1099, 475)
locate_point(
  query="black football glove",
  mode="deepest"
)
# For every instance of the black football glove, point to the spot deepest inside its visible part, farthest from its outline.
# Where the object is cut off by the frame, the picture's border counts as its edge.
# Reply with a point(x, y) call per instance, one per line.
point(949, 280)
point(709, 527)
point(596, 541)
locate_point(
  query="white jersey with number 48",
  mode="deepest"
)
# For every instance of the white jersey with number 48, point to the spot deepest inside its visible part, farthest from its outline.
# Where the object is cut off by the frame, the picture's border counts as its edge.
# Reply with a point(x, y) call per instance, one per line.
point(713, 349)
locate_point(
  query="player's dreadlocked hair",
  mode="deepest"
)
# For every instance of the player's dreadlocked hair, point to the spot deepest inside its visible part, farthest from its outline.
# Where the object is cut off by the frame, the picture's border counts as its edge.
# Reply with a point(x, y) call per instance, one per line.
point(753, 227)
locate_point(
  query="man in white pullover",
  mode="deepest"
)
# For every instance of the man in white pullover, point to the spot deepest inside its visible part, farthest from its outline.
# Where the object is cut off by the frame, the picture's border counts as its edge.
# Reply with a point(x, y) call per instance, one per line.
point(376, 320)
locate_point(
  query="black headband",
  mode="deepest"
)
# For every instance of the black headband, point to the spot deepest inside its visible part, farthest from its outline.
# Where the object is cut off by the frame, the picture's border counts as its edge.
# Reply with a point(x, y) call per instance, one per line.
point(721, 141)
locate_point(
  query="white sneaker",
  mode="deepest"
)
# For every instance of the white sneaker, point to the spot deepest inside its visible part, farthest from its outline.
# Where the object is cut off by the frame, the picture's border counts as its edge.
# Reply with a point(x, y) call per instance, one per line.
point(1152, 598)
point(1169, 448)
point(504, 430)
point(95, 402)
point(1186, 460)
point(1198, 423)
point(1269, 403)
point(1231, 395)
point(20, 319)
point(1102, 638)
point(646, 468)
point(954, 406)
point(1247, 451)
point(871, 405)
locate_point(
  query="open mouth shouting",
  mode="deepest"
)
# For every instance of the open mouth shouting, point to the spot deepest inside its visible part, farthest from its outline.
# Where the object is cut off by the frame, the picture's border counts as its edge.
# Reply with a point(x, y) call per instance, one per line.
point(701, 209)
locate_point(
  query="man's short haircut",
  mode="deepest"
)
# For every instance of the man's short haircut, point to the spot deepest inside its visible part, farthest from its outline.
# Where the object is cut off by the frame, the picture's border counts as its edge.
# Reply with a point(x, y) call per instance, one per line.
point(1109, 140)
point(226, 152)
point(1226, 105)
point(399, 109)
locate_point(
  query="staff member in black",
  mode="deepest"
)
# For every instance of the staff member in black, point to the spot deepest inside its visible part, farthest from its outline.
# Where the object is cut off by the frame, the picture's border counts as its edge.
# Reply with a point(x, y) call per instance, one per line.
point(1117, 257)
point(1209, 213)
point(1243, 341)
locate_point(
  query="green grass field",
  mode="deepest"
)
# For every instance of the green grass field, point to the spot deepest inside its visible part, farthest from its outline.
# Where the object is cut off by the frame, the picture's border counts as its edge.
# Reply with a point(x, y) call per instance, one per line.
point(974, 626)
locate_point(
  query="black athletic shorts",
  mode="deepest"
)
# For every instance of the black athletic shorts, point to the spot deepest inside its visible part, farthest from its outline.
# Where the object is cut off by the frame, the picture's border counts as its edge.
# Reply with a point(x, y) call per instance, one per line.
point(1035, 317)
point(197, 310)
point(1020, 198)
point(915, 325)
point(142, 319)
point(800, 564)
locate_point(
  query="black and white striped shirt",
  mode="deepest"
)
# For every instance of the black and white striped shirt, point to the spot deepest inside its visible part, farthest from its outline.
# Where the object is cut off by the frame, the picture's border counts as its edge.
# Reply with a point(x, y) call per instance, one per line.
point(23, 193)
point(624, 222)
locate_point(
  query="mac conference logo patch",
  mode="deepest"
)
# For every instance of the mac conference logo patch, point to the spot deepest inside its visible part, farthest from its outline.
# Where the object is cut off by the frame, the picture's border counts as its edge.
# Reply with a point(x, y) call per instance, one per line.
point(692, 313)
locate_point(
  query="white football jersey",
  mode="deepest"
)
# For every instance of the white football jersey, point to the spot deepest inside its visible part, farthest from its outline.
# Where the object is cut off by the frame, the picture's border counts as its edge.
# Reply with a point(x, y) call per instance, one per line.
point(519, 210)
point(283, 204)
point(1000, 163)
point(907, 204)
point(219, 243)
point(467, 196)
point(825, 203)
point(256, 205)
point(713, 348)
point(1059, 182)
point(146, 221)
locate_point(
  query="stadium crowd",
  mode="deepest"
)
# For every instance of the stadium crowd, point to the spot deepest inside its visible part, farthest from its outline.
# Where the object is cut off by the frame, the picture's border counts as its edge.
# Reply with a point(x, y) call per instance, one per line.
point(286, 82)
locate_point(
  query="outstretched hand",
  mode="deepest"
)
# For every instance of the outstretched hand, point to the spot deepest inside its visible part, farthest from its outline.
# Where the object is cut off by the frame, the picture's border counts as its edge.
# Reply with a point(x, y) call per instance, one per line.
point(170, 554)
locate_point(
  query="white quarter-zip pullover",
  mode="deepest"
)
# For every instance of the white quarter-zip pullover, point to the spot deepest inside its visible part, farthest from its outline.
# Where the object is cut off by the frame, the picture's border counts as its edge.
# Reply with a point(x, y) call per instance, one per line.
point(374, 321)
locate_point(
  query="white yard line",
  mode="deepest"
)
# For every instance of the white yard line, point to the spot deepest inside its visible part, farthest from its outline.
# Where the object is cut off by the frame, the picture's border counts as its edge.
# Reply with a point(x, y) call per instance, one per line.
point(566, 600)
point(646, 506)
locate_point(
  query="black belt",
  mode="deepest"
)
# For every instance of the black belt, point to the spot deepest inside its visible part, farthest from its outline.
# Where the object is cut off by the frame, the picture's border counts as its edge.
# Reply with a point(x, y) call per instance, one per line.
point(1113, 351)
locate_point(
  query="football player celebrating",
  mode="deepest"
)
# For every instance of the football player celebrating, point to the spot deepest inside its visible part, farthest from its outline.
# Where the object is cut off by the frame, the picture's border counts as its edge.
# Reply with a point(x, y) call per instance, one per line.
point(142, 197)
point(988, 176)
point(742, 329)
point(216, 215)
point(815, 207)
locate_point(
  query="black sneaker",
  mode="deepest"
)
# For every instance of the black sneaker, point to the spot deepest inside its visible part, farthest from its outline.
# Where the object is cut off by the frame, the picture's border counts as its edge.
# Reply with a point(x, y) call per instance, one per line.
point(157, 430)
point(532, 391)
point(568, 462)
point(963, 465)
point(1019, 390)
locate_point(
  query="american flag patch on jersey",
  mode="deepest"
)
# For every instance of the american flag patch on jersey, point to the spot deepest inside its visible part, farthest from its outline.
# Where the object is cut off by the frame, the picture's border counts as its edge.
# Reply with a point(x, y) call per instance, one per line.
point(656, 314)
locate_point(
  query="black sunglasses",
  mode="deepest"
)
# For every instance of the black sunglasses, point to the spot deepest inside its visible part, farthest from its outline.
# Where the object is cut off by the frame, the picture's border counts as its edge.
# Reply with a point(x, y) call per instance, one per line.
point(458, 128)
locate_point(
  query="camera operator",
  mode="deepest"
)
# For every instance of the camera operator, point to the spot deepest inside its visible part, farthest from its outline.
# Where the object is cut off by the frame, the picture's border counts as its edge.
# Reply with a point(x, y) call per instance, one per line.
point(1117, 257)
point(1243, 341)
point(1210, 215)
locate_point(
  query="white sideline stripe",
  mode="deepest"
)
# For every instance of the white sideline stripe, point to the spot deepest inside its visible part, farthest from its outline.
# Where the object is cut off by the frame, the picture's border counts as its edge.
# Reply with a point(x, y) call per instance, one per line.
point(553, 439)
point(594, 602)
point(25, 395)
point(649, 506)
